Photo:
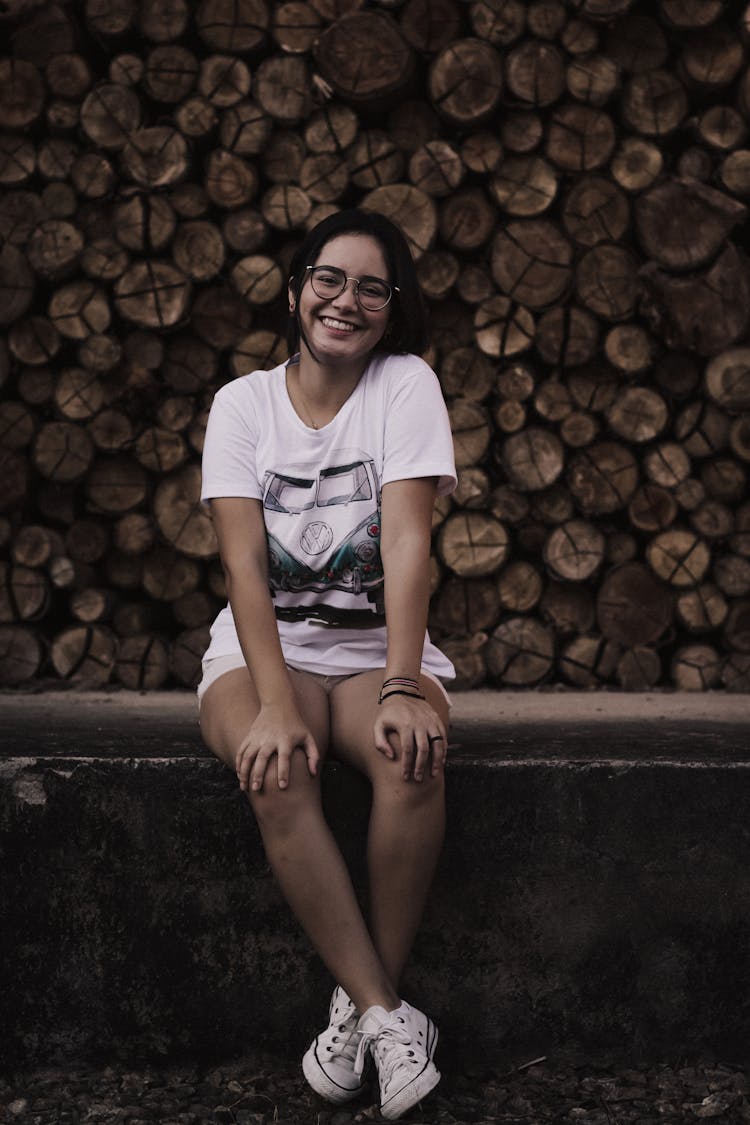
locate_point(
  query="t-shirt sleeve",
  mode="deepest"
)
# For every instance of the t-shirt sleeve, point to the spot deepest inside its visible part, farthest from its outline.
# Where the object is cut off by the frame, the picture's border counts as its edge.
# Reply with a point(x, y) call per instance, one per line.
point(229, 464)
point(418, 439)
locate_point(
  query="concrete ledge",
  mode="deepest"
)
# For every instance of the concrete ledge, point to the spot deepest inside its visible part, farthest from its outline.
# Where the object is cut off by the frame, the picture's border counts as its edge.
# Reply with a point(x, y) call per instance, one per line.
point(594, 890)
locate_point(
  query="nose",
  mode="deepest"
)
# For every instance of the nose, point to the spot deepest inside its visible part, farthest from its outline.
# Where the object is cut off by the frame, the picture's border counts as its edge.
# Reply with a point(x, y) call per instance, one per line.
point(348, 297)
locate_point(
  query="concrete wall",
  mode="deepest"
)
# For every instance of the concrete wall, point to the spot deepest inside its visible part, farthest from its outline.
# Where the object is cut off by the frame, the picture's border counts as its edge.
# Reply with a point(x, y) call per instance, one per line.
point(595, 900)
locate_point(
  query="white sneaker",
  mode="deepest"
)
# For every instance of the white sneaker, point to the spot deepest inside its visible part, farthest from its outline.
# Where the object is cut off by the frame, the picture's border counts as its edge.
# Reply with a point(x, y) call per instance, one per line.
point(328, 1064)
point(402, 1043)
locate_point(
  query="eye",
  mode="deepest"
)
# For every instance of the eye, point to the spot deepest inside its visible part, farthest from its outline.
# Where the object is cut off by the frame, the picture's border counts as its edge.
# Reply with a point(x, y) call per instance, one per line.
point(373, 289)
point(327, 279)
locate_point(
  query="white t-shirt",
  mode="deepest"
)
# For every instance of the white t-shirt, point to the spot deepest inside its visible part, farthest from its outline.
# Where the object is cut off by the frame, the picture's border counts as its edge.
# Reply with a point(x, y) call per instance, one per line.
point(320, 491)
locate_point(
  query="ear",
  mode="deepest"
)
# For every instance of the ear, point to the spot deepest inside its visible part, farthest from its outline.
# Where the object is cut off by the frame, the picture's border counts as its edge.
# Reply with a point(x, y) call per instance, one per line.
point(291, 294)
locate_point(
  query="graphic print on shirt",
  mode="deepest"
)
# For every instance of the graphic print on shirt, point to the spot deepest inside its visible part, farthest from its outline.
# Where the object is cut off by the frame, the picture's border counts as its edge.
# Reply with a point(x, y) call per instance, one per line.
point(323, 526)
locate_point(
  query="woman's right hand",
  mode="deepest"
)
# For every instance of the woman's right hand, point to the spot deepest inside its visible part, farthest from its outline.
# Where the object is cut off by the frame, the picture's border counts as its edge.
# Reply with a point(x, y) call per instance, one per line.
point(278, 730)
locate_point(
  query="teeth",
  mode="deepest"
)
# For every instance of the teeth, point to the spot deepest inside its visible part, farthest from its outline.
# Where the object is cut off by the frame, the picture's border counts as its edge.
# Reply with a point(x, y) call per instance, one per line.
point(340, 324)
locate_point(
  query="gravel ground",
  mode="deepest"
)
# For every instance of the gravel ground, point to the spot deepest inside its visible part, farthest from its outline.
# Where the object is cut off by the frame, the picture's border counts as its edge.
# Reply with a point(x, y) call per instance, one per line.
point(266, 1090)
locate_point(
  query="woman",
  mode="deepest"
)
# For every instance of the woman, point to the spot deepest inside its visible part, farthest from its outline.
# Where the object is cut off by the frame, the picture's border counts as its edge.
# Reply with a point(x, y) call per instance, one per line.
point(322, 476)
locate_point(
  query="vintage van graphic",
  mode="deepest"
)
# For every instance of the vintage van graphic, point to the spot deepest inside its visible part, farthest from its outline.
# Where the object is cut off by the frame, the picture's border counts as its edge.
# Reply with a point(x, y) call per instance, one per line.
point(323, 525)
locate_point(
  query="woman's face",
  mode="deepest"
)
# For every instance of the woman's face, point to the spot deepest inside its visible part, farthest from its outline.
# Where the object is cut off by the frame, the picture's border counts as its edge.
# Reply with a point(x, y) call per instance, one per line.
point(339, 331)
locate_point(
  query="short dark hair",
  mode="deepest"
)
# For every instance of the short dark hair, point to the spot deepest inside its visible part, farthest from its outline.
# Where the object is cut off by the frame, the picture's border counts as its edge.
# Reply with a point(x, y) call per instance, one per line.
point(407, 327)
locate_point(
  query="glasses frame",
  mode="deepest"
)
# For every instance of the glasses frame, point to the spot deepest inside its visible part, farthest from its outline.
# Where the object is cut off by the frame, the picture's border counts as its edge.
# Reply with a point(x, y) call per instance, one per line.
point(357, 282)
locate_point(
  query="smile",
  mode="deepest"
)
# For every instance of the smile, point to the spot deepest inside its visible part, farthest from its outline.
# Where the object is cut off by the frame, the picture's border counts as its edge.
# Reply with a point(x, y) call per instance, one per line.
point(339, 325)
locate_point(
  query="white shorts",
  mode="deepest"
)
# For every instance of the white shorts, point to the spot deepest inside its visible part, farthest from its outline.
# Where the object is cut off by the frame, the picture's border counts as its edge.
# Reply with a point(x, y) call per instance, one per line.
point(218, 665)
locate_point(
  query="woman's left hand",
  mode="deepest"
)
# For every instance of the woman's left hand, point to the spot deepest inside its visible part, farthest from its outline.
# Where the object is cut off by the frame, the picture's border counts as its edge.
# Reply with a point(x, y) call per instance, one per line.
point(419, 734)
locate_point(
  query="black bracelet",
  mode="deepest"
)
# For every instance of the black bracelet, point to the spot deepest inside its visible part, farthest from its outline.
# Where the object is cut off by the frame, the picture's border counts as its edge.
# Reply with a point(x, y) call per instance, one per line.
point(396, 691)
point(403, 681)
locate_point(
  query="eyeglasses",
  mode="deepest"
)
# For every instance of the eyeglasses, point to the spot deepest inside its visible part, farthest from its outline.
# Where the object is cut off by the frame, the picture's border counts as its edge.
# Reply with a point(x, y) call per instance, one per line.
point(330, 281)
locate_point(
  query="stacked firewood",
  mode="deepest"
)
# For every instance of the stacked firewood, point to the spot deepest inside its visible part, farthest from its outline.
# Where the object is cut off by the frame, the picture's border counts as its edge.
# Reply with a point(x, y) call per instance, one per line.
point(573, 180)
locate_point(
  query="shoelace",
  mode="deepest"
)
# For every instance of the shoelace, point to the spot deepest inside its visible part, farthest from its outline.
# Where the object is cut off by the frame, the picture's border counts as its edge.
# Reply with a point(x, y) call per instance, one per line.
point(347, 1047)
point(336, 1043)
point(391, 1046)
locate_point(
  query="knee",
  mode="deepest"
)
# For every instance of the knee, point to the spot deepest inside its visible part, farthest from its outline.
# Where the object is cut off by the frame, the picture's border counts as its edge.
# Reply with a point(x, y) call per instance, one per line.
point(280, 810)
point(409, 794)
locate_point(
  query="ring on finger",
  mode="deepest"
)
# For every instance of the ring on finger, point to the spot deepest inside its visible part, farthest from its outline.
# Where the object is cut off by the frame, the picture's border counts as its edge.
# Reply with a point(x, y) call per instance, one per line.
point(436, 738)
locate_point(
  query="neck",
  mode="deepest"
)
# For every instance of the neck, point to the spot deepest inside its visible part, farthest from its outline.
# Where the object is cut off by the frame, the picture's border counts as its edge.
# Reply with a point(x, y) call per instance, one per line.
point(327, 383)
point(318, 392)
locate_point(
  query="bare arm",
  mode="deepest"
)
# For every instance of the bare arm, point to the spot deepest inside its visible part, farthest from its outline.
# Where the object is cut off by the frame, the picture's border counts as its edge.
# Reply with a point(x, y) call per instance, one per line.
point(278, 728)
point(405, 549)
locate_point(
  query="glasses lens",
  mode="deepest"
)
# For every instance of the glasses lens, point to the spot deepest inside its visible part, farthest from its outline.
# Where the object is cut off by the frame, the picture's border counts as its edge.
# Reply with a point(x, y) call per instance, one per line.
point(373, 293)
point(327, 281)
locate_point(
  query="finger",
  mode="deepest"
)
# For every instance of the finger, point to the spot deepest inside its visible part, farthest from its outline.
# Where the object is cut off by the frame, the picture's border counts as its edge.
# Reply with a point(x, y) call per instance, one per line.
point(382, 744)
point(408, 751)
point(245, 759)
point(422, 753)
point(283, 765)
point(312, 754)
point(258, 772)
point(439, 751)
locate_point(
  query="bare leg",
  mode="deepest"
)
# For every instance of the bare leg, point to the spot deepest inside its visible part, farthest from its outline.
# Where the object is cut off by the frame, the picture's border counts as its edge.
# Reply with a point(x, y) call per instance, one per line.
point(407, 822)
point(300, 848)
